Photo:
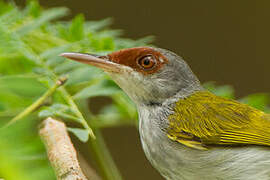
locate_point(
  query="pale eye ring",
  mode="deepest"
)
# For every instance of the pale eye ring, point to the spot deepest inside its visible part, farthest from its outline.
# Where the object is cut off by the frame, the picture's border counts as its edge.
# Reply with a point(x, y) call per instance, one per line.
point(147, 62)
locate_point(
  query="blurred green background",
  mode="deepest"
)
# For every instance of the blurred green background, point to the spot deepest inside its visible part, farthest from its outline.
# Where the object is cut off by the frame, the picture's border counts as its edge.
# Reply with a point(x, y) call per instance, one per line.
point(223, 41)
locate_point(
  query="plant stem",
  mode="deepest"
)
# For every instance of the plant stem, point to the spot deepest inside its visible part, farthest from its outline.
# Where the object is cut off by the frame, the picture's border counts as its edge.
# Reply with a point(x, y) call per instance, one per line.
point(108, 168)
point(102, 155)
point(78, 113)
point(106, 164)
point(38, 102)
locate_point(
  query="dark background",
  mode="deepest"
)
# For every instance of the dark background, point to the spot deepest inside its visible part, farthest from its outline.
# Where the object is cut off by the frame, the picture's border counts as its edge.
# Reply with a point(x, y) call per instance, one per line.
point(226, 41)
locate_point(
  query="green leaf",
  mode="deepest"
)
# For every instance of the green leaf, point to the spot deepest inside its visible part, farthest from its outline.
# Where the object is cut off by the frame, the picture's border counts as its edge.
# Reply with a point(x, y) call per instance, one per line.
point(81, 134)
point(101, 43)
point(33, 8)
point(77, 28)
point(68, 66)
point(11, 101)
point(4, 8)
point(85, 73)
point(46, 16)
point(96, 90)
point(224, 91)
point(24, 86)
point(55, 51)
point(2, 107)
point(59, 110)
point(45, 113)
point(259, 100)
point(95, 26)
point(54, 109)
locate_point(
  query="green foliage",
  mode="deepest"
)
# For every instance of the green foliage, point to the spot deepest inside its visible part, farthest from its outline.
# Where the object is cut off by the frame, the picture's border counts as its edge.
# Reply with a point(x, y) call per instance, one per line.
point(224, 91)
point(30, 41)
point(82, 134)
point(22, 153)
point(260, 101)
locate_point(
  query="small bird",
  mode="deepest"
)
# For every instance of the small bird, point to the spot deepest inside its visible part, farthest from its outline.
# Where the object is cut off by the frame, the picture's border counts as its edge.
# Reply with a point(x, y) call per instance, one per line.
point(187, 133)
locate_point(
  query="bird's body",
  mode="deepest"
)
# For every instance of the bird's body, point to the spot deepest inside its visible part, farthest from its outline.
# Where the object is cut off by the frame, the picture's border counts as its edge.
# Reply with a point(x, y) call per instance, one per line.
point(176, 161)
point(188, 133)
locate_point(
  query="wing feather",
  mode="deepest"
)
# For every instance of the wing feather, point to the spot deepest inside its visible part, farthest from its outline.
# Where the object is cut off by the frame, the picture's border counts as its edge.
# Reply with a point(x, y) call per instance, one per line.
point(212, 120)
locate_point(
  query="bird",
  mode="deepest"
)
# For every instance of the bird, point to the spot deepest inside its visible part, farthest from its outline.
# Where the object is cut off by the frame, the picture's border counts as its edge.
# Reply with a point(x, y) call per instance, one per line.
point(187, 132)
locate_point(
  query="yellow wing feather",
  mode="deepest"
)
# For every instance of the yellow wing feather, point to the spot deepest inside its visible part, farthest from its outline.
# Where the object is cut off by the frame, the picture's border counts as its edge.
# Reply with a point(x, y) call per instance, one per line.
point(211, 120)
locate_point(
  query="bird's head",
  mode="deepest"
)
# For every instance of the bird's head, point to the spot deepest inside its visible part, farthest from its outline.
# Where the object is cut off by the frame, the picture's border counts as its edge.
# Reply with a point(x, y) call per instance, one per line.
point(148, 75)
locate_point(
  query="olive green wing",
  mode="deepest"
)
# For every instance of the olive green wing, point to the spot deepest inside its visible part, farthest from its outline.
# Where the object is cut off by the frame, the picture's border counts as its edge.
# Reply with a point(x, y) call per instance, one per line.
point(204, 119)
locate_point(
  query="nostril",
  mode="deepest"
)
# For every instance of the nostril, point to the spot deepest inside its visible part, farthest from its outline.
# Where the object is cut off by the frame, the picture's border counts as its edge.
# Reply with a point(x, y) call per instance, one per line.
point(105, 58)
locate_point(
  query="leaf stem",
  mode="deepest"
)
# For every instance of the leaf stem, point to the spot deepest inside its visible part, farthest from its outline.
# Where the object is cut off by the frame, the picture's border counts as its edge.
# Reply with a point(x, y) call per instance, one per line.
point(78, 113)
point(106, 164)
point(38, 102)
point(108, 168)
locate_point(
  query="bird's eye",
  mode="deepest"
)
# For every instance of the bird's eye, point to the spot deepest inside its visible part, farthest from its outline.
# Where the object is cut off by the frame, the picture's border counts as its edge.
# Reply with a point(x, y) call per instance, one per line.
point(147, 62)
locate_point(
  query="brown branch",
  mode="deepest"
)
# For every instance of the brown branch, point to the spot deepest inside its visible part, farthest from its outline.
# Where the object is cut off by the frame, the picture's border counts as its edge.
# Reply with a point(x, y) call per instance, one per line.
point(61, 152)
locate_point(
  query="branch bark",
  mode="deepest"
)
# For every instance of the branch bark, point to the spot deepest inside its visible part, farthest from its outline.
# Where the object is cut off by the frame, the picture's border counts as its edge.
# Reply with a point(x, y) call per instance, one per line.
point(61, 152)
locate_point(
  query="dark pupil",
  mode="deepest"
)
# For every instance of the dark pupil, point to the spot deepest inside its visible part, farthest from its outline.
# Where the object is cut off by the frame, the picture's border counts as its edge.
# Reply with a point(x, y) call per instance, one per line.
point(146, 61)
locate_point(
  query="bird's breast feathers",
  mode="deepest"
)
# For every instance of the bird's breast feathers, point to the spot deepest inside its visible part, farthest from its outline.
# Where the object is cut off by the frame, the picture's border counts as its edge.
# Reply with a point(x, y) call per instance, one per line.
point(203, 119)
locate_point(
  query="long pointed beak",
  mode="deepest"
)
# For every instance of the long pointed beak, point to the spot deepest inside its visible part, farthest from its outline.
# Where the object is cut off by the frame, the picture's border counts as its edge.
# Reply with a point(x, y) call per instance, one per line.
point(95, 60)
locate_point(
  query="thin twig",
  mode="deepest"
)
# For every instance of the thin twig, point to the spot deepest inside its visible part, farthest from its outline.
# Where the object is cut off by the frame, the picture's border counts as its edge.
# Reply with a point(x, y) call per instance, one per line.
point(38, 102)
point(78, 113)
point(61, 152)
